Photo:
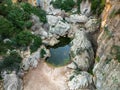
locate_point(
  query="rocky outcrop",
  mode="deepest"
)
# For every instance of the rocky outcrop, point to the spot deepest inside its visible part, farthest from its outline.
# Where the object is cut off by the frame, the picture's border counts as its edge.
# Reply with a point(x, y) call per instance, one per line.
point(60, 28)
point(76, 18)
point(52, 20)
point(81, 50)
point(82, 56)
point(107, 67)
point(32, 60)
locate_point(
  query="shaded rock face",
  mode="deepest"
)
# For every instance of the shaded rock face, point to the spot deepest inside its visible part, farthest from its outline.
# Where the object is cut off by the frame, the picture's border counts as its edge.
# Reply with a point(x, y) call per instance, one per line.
point(81, 50)
point(107, 67)
point(85, 7)
point(12, 82)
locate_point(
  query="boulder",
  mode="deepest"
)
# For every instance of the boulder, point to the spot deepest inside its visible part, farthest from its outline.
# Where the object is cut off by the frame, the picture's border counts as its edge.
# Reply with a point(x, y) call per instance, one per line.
point(34, 18)
point(52, 41)
point(81, 50)
point(60, 28)
point(72, 66)
point(52, 20)
point(76, 18)
point(31, 61)
point(82, 81)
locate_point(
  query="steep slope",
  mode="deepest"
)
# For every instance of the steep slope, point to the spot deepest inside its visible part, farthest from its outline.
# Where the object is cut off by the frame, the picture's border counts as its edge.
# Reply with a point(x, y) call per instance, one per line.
point(107, 67)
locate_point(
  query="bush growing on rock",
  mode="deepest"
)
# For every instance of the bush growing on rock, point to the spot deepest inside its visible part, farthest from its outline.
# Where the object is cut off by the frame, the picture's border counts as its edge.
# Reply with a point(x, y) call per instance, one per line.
point(36, 43)
point(24, 38)
point(42, 53)
point(11, 62)
point(66, 5)
point(37, 11)
point(5, 7)
point(18, 17)
point(6, 28)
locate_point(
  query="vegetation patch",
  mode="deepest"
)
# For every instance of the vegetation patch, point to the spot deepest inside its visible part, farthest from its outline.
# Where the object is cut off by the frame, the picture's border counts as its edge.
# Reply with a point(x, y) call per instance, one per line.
point(37, 41)
point(97, 59)
point(78, 5)
point(114, 13)
point(15, 34)
point(6, 28)
point(14, 25)
point(37, 11)
point(66, 5)
point(97, 6)
point(11, 62)
point(107, 32)
point(116, 52)
point(42, 53)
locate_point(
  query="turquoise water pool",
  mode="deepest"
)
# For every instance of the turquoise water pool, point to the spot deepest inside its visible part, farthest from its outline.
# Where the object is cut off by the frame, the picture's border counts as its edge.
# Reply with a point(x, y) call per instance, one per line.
point(60, 53)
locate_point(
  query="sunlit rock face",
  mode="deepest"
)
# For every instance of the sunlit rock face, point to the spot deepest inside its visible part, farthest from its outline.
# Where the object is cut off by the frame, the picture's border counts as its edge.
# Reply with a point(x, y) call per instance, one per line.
point(60, 29)
point(85, 7)
point(82, 81)
point(33, 59)
point(107, 67)
point(76, 18)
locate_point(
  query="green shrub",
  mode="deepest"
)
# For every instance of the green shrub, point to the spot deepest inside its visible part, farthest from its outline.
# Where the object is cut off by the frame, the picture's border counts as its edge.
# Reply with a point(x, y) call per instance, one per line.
point(42, 53)
point(5, 7)
point(6, 28)
point(11, 62)
point(23, 39)
point(97, 6)
point(18, 17)
point(4, 47)
point(26, 38)
point(78, 5)
point(97, 58)
point(66, 5)
point(36, 44)
point(37, 11)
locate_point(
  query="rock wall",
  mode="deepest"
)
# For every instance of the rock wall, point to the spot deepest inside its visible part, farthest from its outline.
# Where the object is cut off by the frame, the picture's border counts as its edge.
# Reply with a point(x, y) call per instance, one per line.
point(107, 68)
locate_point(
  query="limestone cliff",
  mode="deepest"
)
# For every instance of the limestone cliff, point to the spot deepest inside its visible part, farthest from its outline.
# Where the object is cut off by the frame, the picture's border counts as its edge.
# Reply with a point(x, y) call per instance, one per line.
point(107, 67)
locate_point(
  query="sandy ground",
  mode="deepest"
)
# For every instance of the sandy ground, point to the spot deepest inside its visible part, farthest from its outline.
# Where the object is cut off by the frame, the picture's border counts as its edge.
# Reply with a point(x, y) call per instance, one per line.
point(45, 77)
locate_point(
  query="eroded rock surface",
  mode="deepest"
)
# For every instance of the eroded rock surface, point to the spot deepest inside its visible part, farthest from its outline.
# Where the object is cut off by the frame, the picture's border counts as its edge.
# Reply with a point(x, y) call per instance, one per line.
point(12, 82)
